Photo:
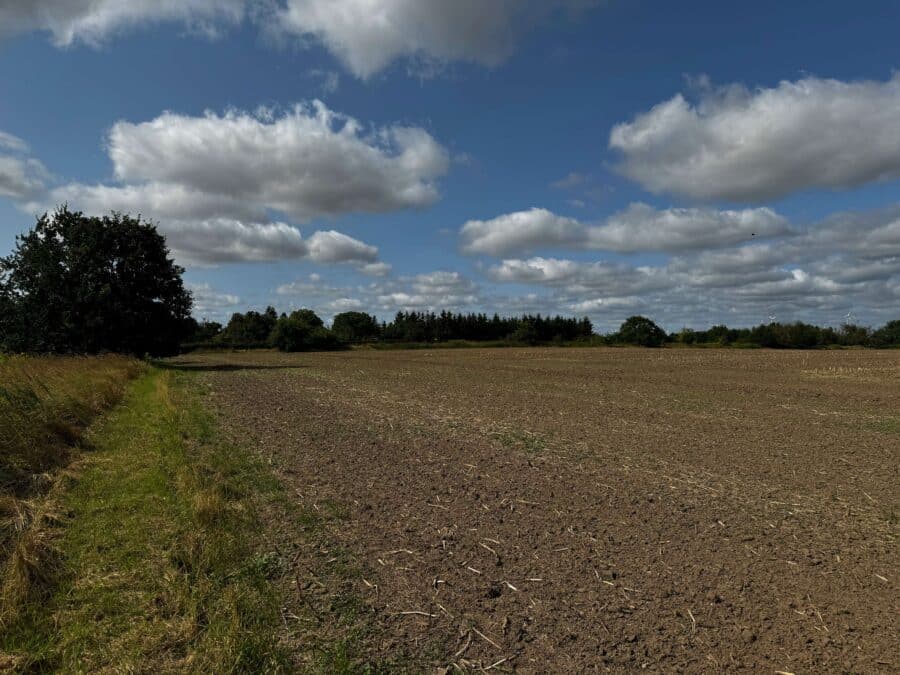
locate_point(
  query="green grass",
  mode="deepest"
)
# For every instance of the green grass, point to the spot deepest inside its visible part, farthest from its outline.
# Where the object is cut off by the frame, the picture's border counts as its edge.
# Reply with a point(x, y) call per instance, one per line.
point(45, 403)
point(156, 562)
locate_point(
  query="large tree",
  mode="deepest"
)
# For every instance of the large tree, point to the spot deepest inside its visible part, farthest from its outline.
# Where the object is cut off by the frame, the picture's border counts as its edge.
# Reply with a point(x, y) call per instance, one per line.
point(639, 330)
point(355, 326)
point(80, 284)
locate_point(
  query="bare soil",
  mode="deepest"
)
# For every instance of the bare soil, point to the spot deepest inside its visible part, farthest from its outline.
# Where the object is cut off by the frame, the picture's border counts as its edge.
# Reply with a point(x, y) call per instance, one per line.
point(573, 510)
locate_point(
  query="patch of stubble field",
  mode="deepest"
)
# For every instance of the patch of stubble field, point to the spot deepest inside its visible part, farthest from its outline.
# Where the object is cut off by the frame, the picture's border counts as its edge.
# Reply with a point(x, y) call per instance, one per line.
point(581, 509)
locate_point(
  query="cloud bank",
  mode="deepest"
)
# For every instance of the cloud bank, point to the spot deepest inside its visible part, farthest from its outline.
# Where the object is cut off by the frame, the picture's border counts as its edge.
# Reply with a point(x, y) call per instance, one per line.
point(638, 228)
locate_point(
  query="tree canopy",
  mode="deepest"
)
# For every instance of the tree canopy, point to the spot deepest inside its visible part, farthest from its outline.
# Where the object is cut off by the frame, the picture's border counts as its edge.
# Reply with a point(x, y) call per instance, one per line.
point(639, 330)
point(80, 284)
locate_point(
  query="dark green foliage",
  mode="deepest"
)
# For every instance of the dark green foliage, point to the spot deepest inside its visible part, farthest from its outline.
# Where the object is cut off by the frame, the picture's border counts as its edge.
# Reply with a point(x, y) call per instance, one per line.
point(431, 327)
point(206, 331)
point(356, 327)
point(888, 335)
point(797, 335)
point(303, 331)
point(252, 329)
point(641, 331)
point(79, 284)
point(852, 335)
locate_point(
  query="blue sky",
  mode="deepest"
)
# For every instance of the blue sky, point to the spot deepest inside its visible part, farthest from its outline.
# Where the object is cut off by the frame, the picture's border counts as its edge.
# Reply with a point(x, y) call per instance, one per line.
point(689, 161)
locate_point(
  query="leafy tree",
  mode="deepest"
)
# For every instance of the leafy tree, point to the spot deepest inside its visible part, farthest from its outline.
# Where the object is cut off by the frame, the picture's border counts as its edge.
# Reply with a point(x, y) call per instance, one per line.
point(355, 327)
point(853, 335)
point(252, 329)
point(526, 333)
point(82, 284)
point(309, 317)
point(303, 331)
point(888, 335)
point(639, 330)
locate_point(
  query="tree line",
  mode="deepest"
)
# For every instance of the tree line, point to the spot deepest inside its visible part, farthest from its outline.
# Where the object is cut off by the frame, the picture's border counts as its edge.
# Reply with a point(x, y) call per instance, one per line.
point(304, 330)
point(80, 284)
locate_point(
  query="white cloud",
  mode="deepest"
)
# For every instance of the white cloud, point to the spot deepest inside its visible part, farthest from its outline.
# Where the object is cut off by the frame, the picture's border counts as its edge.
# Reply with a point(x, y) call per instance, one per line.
point(376, 269)
point(368, 35)
point(222, 240)
point(14, 143)
point(741, 145)
point(306, 163)
point(21, 176)
point(849, 262)
point(333, 247)
point(432, 291)
point(213, 182)
point(642, 228)
point(638, 228)
point(92, 21)
point(520, 231)
point(441, 283)
point(365, 35)
point(210, 302)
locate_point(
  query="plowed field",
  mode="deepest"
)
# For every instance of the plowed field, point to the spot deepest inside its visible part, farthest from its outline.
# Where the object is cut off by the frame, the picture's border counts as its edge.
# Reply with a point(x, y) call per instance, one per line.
point(571, 510)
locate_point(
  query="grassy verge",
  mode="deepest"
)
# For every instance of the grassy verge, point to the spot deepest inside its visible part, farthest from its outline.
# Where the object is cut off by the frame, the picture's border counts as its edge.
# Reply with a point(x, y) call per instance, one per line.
point(150, 557)
point(45, 404)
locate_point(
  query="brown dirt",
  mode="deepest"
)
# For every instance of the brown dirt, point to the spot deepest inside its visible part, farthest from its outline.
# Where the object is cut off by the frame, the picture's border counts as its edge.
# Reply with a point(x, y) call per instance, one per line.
point(575, 510)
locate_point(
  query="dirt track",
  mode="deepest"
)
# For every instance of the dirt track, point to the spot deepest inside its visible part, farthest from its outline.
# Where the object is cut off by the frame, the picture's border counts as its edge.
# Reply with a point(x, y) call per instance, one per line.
point(578, 510)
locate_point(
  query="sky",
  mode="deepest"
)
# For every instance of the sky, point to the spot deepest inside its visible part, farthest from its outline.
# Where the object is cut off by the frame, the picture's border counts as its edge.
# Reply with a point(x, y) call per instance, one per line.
point(696, 162)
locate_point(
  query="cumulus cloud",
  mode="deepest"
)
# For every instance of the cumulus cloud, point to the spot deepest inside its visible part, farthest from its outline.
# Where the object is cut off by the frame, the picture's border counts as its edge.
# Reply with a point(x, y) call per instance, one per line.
point(222, 240)
point(376, 269)
point(365, 35)
point(210, 302)
point(642, 228)
point(368, 35)
point(92, 21)
point(739, 144)
point(333, 247)
point(214, 182)
point(638, 228)
point(846, 263)
point(21, 176)
point(520, 231)
point(307, 162)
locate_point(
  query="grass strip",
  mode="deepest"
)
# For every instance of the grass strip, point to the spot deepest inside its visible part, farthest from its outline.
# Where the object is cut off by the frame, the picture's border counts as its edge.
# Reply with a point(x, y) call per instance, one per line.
point(155, 562)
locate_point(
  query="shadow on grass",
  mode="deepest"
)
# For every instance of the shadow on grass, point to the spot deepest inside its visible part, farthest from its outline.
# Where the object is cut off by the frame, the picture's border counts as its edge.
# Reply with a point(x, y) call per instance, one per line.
point(190, 366)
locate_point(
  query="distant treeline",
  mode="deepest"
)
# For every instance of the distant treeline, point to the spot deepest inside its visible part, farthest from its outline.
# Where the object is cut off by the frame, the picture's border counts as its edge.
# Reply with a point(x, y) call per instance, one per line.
point(796, 335)
point(304, 330)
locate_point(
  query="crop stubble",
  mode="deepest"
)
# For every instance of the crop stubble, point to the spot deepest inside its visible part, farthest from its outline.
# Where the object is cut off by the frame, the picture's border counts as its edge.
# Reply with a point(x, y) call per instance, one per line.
point(592, 509)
